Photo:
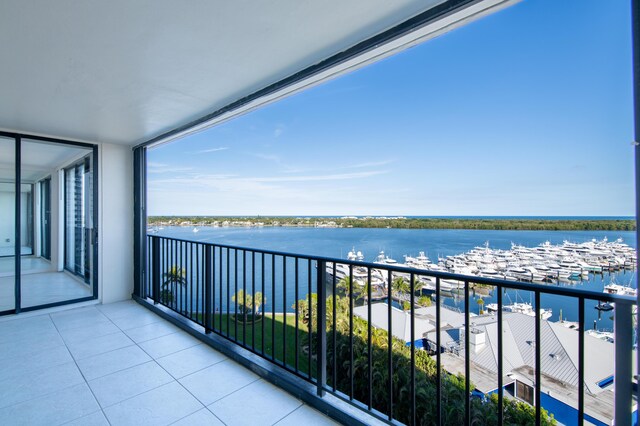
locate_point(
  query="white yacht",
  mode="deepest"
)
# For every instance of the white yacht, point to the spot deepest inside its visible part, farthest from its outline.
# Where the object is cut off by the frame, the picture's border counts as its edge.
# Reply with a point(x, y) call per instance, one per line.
point(613, 288)
point(521, 308)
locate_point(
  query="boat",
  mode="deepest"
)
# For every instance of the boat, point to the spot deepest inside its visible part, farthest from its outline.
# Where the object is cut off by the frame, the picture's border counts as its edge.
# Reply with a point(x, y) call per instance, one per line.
point(604, 306)
point(613, 288)
point(195, 229)
point(383, 258)
point(521, 308)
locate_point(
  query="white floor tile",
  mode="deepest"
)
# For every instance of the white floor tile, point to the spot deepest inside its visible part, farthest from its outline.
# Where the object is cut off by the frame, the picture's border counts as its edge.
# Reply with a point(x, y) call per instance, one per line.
point(118, 309)
point(99, 329)
point(136, 319)
point(203, 417)
point(161, 406)
point(117, 387)
point(151, 331)
point(17, 329)
point(110, 362)
point(307, 416)
point(40, 382)
point(49, 287)
point(33, 342)
point(95, 419)
point(166, 345)
point(217, 381)
point(190, 360)
point(78, 318)
point(22, 365)
point(114, 347)
point(53, 409)
point(99, 345)
point(258, 403)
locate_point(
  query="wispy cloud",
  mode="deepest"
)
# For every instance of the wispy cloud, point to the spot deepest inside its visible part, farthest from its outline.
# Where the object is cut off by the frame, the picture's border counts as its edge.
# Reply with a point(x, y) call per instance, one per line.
point(156, 168)
point(228, 182)
point(372, 164)
point(369, 164)
point(204, 151)
point(315, 178)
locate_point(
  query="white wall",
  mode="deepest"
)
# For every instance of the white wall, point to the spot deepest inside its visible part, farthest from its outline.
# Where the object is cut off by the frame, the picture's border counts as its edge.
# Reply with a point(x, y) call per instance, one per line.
point(115, 232)
point(7, 224)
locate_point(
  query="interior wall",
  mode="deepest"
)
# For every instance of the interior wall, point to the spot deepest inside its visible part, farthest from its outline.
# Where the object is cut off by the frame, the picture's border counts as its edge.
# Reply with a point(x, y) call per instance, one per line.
point(7, 227)
point(115, 232)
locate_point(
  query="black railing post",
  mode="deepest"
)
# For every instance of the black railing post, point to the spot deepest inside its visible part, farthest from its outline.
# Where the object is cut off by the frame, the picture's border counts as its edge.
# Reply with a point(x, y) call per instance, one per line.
point(538, 362)
point(322, 328)
point(208, 287)
point(500, 360)
point(155, 266)
point(467, 356)
point(623, 340)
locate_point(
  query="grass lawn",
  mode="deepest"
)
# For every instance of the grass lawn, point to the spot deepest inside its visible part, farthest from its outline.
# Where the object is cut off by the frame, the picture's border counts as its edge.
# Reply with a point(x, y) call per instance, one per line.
point(251, 335)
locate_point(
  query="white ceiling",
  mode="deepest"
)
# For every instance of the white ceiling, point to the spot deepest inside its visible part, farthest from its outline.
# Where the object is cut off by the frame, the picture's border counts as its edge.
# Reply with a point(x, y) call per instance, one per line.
point(123, 71)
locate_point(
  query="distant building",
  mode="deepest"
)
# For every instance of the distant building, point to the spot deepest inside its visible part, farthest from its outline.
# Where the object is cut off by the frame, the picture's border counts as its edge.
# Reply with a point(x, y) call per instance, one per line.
point(559, 355)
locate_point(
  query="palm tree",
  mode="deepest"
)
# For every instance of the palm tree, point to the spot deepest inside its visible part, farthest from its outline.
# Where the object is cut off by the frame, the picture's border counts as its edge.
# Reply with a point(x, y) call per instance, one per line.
point(345, 285)
point(363, 291)
point(175, 277)
point(400, 285)
point(480, 303)
point(248, 303)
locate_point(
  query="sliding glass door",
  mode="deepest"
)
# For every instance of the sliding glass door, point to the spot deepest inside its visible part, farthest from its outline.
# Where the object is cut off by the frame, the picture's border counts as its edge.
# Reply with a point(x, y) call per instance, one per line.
point(47, 223)
point(7, 224)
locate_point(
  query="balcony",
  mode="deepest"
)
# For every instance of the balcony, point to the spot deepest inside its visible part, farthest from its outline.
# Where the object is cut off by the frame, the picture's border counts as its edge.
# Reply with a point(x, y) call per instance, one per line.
point(333, 324)
point(86, 90)
point(121, 364)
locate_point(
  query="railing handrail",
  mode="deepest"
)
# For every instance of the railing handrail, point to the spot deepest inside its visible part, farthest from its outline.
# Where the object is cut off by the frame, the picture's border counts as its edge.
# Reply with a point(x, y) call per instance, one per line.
point(513, 285)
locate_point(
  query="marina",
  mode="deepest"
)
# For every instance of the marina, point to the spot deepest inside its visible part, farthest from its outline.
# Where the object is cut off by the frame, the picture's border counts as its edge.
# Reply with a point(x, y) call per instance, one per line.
point(544, 264)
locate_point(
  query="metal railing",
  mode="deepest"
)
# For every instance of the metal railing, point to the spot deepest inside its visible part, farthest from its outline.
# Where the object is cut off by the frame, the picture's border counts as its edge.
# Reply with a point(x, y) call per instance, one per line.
point(313, 317)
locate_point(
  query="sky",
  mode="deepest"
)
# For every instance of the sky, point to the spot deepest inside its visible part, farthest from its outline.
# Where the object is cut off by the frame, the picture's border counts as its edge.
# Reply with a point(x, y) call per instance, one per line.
point(524, 112)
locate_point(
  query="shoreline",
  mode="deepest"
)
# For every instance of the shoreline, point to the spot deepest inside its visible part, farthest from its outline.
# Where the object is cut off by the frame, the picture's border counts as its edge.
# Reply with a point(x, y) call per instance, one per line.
point(525, 224)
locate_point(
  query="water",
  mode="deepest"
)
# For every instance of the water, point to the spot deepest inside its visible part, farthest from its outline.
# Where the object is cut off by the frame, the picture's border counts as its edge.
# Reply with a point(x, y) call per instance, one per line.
point(337, 242)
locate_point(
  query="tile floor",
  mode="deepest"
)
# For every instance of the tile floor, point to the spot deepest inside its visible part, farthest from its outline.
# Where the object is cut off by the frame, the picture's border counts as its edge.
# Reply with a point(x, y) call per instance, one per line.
point(121, 364)
point(41, 284)
point(42, 288)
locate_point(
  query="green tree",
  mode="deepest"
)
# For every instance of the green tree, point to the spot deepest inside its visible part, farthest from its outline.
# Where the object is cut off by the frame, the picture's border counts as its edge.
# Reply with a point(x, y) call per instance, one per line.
point(351, 343)
point(362, 291)
point(248, 303)
point(345, 285)
point(400, 285)
point(480, 303)
point(424, 301)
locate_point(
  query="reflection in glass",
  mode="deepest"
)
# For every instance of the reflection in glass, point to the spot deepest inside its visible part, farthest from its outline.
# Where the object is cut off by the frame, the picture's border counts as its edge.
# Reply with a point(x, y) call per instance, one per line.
point(56, 210)
point(7, 224)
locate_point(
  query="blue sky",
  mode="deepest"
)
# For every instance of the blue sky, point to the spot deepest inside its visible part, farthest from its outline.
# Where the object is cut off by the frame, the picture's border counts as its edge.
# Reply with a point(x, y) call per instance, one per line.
point(525, 112)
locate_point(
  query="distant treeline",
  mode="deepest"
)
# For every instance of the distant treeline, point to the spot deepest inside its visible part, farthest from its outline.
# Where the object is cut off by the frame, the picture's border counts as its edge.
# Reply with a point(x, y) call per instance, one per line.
point(402, 223)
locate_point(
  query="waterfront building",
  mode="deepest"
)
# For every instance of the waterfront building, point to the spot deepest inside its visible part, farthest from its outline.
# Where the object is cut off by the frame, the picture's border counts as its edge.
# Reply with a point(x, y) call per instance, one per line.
point(559, 357)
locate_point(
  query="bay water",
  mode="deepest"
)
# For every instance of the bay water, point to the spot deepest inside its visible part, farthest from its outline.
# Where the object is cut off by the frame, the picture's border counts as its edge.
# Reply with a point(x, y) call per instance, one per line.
point(396, 243)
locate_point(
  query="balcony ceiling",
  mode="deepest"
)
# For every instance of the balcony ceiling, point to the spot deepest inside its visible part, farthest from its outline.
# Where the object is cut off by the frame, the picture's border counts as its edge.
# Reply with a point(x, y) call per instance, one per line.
point(124, 71)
